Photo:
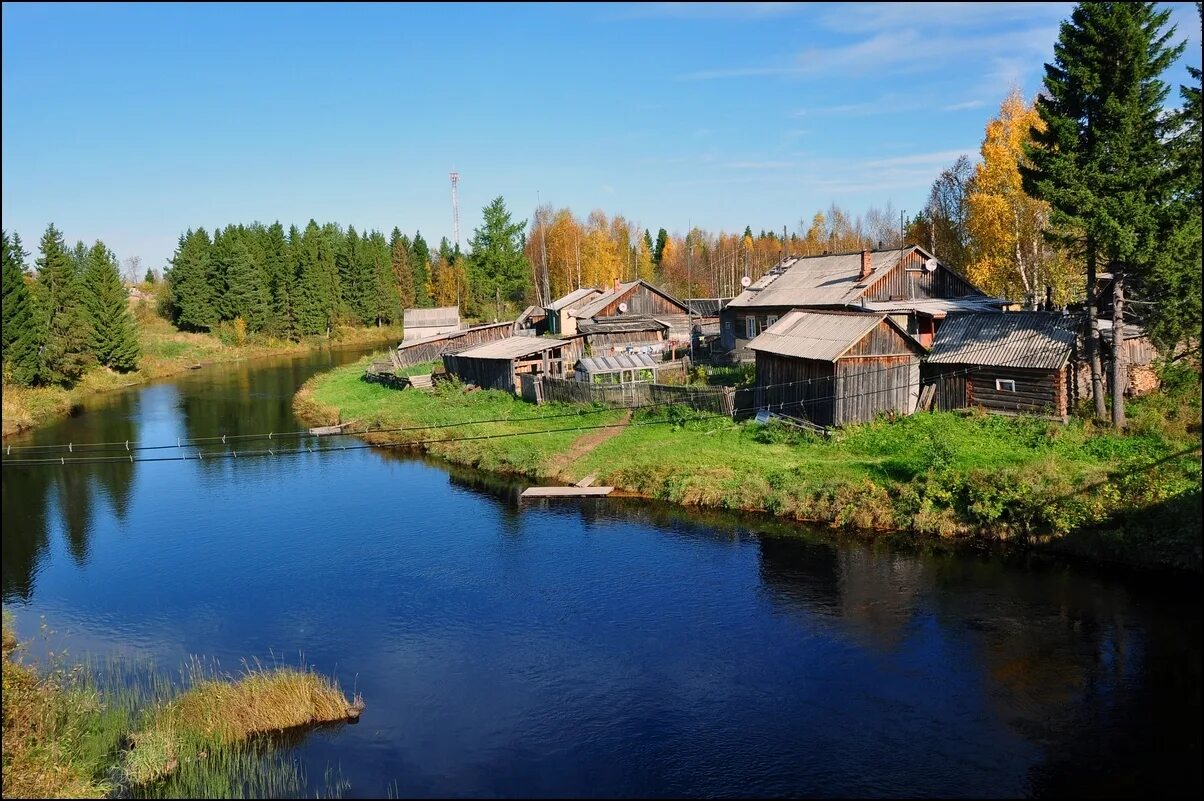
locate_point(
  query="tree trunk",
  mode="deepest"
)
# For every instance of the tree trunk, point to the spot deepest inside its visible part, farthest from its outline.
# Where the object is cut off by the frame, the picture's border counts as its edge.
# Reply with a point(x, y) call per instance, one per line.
point(1093, 348)
point(1119, 378)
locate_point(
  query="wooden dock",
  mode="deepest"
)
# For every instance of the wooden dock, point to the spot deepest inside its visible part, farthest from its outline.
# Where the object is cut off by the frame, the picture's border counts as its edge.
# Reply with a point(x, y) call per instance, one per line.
point(567, 492)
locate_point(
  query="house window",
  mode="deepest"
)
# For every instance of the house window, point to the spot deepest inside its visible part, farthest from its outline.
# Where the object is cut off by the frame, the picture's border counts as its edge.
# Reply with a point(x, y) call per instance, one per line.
point(750, 327)
point(770, 320)
point(1005, 385)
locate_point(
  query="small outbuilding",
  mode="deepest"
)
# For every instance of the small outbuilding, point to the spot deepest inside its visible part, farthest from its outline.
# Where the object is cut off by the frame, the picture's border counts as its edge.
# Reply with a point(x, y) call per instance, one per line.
point(498, 365)
point(630, 332)
point(836, 368)
point(1011, 362)
point(426, 323)
point(622, 368)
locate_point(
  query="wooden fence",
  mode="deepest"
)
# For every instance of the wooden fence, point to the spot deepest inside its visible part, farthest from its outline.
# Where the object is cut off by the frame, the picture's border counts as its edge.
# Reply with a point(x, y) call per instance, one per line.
point(717, 400)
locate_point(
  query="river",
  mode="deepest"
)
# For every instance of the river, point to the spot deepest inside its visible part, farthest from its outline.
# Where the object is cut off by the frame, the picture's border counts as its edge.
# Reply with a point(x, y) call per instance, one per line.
point(593, 647)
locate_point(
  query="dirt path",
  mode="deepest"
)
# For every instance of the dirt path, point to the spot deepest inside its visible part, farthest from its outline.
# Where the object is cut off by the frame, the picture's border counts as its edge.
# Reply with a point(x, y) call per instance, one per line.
point(586, 443)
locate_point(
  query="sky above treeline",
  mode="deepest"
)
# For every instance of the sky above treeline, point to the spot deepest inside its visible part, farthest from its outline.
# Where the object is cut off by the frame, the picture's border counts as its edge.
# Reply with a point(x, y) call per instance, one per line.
point(132, 123)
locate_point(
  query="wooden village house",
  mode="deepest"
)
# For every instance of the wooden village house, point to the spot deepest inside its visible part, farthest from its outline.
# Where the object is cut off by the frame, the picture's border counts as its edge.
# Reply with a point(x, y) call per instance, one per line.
point(1015, 362)
point(836, 368)
point(917, 290)
point(499, 365)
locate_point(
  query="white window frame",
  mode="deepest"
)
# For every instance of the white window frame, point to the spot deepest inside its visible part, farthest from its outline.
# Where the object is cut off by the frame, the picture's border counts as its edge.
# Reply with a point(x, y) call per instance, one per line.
point(770, 320)
point(1005, 385)
point(750, 327)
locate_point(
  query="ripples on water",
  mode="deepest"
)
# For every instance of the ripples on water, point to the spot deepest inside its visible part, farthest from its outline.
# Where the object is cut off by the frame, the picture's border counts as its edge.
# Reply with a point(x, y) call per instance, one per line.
point(594, 648)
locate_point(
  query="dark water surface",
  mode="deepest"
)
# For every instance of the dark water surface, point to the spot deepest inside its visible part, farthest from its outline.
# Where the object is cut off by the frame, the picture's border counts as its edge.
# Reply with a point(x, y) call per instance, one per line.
point(594, 648)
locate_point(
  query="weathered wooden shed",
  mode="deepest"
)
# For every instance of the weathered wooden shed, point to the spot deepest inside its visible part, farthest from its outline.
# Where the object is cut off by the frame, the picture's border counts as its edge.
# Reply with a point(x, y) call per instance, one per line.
point(638, 298)
point(497, 365)
point(836, 368)
point(613, 334)
point(1015, 362)
point(426, 323)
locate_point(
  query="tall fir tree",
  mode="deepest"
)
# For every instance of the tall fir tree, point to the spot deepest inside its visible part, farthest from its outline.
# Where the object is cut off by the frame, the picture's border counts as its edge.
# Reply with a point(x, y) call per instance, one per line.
point(658, 252)
point(114, 332)
point(403, 273)
point(193, 299)
point(420, 261)
point(66, 354)
point(497, 264)
point(245, 292)
point(21, 331)
point(386, 293)
point(1101, 162)
point(282, 281)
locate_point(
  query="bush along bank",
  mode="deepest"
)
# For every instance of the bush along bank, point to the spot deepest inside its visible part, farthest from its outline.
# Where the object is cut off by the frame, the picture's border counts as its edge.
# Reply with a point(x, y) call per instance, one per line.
point(1076, 487)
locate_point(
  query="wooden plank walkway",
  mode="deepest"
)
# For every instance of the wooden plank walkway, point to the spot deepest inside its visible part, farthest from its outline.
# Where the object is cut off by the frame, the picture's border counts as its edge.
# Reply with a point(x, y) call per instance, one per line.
point(566, 492)
point(422, 382)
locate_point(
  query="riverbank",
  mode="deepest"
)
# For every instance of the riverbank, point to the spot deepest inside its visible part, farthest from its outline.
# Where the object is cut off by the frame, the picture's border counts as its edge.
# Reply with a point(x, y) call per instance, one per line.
point(1078, 488)
point(166, 351)
point(68, 734)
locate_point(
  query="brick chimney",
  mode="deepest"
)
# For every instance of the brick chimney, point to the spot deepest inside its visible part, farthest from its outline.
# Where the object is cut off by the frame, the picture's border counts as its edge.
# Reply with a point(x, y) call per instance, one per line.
point(617, 282)
point(867, 265)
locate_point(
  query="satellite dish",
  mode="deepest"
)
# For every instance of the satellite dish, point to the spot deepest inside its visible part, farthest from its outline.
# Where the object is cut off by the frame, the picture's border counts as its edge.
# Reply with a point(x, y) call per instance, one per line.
point(745, 281)
point(622, 308)
point(930, 265)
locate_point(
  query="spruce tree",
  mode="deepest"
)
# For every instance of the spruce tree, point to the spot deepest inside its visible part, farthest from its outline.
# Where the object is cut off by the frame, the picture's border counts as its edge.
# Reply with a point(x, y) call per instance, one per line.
point(21, 333)
point(1101, 161)
point(246, 294)
point(386, 295)
point(114, 334)
point(66, 355)
point(192, 293)
point(662, 238)
point(282, 280)
point(420, 261)
point(403, 274)
point(497, 263)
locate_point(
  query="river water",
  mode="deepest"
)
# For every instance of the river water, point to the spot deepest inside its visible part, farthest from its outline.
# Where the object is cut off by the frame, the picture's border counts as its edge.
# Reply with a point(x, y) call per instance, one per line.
point(593, 647)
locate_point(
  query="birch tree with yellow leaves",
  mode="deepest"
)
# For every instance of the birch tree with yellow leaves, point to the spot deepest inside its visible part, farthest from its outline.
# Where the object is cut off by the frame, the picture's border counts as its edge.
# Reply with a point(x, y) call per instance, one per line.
point(1006, 226)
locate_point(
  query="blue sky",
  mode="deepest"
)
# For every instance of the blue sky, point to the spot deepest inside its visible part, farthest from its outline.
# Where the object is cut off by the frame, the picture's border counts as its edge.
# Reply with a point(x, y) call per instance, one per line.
point(131, 123)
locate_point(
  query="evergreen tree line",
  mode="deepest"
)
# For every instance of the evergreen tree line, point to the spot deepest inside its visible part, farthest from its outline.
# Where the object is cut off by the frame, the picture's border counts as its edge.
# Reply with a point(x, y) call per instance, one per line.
point(73, 314)
point(295, 283)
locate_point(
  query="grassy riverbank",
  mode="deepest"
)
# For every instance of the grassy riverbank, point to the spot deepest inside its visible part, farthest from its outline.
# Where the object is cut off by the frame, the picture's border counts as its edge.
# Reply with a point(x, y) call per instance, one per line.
point(69, 733)
point(165, 352)
point(1081, 488)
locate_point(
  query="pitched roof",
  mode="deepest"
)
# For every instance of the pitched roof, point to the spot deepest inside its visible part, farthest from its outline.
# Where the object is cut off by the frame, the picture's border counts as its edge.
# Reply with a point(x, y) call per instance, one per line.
point(576, 296)
point(619, 325)
point(429, 318)
point(512, 348)
point(608, 297)
point(821, 280)
point(620, 361)
point(939, 307)
point(823, 336)
point(706, 307)
point(1040, 340)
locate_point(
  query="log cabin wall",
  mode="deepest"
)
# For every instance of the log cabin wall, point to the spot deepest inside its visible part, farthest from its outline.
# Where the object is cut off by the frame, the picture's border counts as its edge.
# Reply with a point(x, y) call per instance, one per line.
point(1036, 391)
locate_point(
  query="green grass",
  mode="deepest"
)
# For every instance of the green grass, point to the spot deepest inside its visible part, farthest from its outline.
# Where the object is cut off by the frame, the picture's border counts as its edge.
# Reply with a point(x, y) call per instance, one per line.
point(97, 729)
point(950, 474)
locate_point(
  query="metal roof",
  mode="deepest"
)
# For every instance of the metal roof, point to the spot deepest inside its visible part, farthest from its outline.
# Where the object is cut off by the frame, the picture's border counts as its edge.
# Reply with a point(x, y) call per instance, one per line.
point(815, 335)
point(816, 280)
point(573, 297)
point(620, 361)
point(512, 348)
point(619, 325)
point(431, 318)
point(706, 307)
point(1040, 340)
point(938, 307)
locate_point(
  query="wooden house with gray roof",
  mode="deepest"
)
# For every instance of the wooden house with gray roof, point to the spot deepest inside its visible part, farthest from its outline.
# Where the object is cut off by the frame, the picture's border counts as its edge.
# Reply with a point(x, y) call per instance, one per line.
point(1015, 362)
point(916, 289)
point(498, 365)
point(836, 368)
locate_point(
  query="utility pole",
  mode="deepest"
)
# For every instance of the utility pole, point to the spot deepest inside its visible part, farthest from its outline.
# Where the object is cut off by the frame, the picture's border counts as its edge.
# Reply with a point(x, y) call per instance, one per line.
point(543, 247)
point(455, 180)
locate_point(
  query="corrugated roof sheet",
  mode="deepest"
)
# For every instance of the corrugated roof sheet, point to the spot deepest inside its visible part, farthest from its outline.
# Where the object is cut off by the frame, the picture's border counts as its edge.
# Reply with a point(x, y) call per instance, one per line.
point(619, 325)
point(939, 306)
point(430, 318)
point(620, 361)
point(815, 335)
point(706, 307)
point(816, 280)
point(1038, 340)
point(576, 296)
point(512, 348)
